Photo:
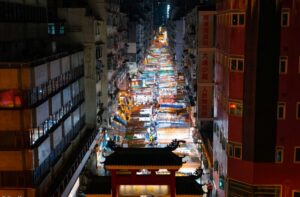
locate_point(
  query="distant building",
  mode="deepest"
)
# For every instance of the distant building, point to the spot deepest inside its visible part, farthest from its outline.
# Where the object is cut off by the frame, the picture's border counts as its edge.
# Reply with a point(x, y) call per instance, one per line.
point(140, 27)
point(160, 16)
point(198, 63)
point(176, 32)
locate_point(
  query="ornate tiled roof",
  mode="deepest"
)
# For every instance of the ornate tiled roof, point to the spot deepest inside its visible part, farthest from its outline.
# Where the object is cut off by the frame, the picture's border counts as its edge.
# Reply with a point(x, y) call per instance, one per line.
point(143, 157)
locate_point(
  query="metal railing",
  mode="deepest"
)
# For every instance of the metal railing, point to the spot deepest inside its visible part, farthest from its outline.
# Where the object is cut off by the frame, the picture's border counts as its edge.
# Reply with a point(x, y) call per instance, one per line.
point(57, 189)
point(54, 120)
point(41, 171)
point(43, 91)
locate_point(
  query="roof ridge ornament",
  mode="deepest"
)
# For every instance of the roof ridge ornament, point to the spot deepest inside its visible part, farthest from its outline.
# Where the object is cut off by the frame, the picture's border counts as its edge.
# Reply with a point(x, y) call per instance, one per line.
point(174, 144)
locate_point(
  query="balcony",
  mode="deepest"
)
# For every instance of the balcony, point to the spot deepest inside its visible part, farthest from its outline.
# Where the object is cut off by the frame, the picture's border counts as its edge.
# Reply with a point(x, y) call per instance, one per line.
point(42, 92)
point(14, 98)
point(32, 179)
point(74, 161)
point(38, 134)
point(41, 171)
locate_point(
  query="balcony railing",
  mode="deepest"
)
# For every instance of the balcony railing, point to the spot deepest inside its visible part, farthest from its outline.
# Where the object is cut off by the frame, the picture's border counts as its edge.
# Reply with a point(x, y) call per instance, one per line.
point(62, 181)
point(54, 120)
point(51, 87)
point(41, 171)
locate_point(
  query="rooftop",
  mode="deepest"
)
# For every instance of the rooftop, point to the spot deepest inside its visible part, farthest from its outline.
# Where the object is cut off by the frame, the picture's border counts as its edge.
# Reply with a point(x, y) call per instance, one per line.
point(143, 157)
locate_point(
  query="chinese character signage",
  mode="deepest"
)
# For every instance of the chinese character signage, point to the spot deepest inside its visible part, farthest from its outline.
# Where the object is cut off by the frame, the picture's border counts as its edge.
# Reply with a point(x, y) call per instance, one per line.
point(205, 64)
point(206, 30)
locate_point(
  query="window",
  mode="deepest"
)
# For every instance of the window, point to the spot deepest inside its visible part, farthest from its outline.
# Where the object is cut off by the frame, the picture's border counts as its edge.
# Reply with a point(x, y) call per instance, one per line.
point(236, 108)
point(285, 18)
point(234, 19)
point(297, 155)
point(296, 194)
point(51, 29)
point(97, 28)
point(279, 155)
point(56, 29)
point(10, 98)
point(235, 150)
point(298, 110)
point(281, 111)
point(238, 19)
point(283, 65)
point(241, 19)
point(238, 151)
point(98, 52)
point(61, 29)
point(237, 64)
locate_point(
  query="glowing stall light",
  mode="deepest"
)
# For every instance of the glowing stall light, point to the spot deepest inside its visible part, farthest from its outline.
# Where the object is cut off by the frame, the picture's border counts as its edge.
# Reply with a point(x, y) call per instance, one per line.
point(173, 105)
point(145, 190)
point(187, 171)
point(119, 120)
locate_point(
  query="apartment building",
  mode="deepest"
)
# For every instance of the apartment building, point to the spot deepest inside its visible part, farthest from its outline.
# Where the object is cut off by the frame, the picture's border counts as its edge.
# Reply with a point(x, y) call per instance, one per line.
point(256, 151)
point(46, 136)
point(198, 63)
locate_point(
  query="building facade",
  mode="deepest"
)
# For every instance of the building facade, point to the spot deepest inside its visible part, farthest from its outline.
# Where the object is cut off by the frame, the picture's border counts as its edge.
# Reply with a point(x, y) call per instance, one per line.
point(198, 62)
point(256, 115)
point(161, 13)
point(140, 27)
point(46, 136)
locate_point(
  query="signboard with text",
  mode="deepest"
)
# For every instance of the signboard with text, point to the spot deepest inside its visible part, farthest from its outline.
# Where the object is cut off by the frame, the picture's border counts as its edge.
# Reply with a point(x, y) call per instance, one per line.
point(205, 66)
point(205, 102)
